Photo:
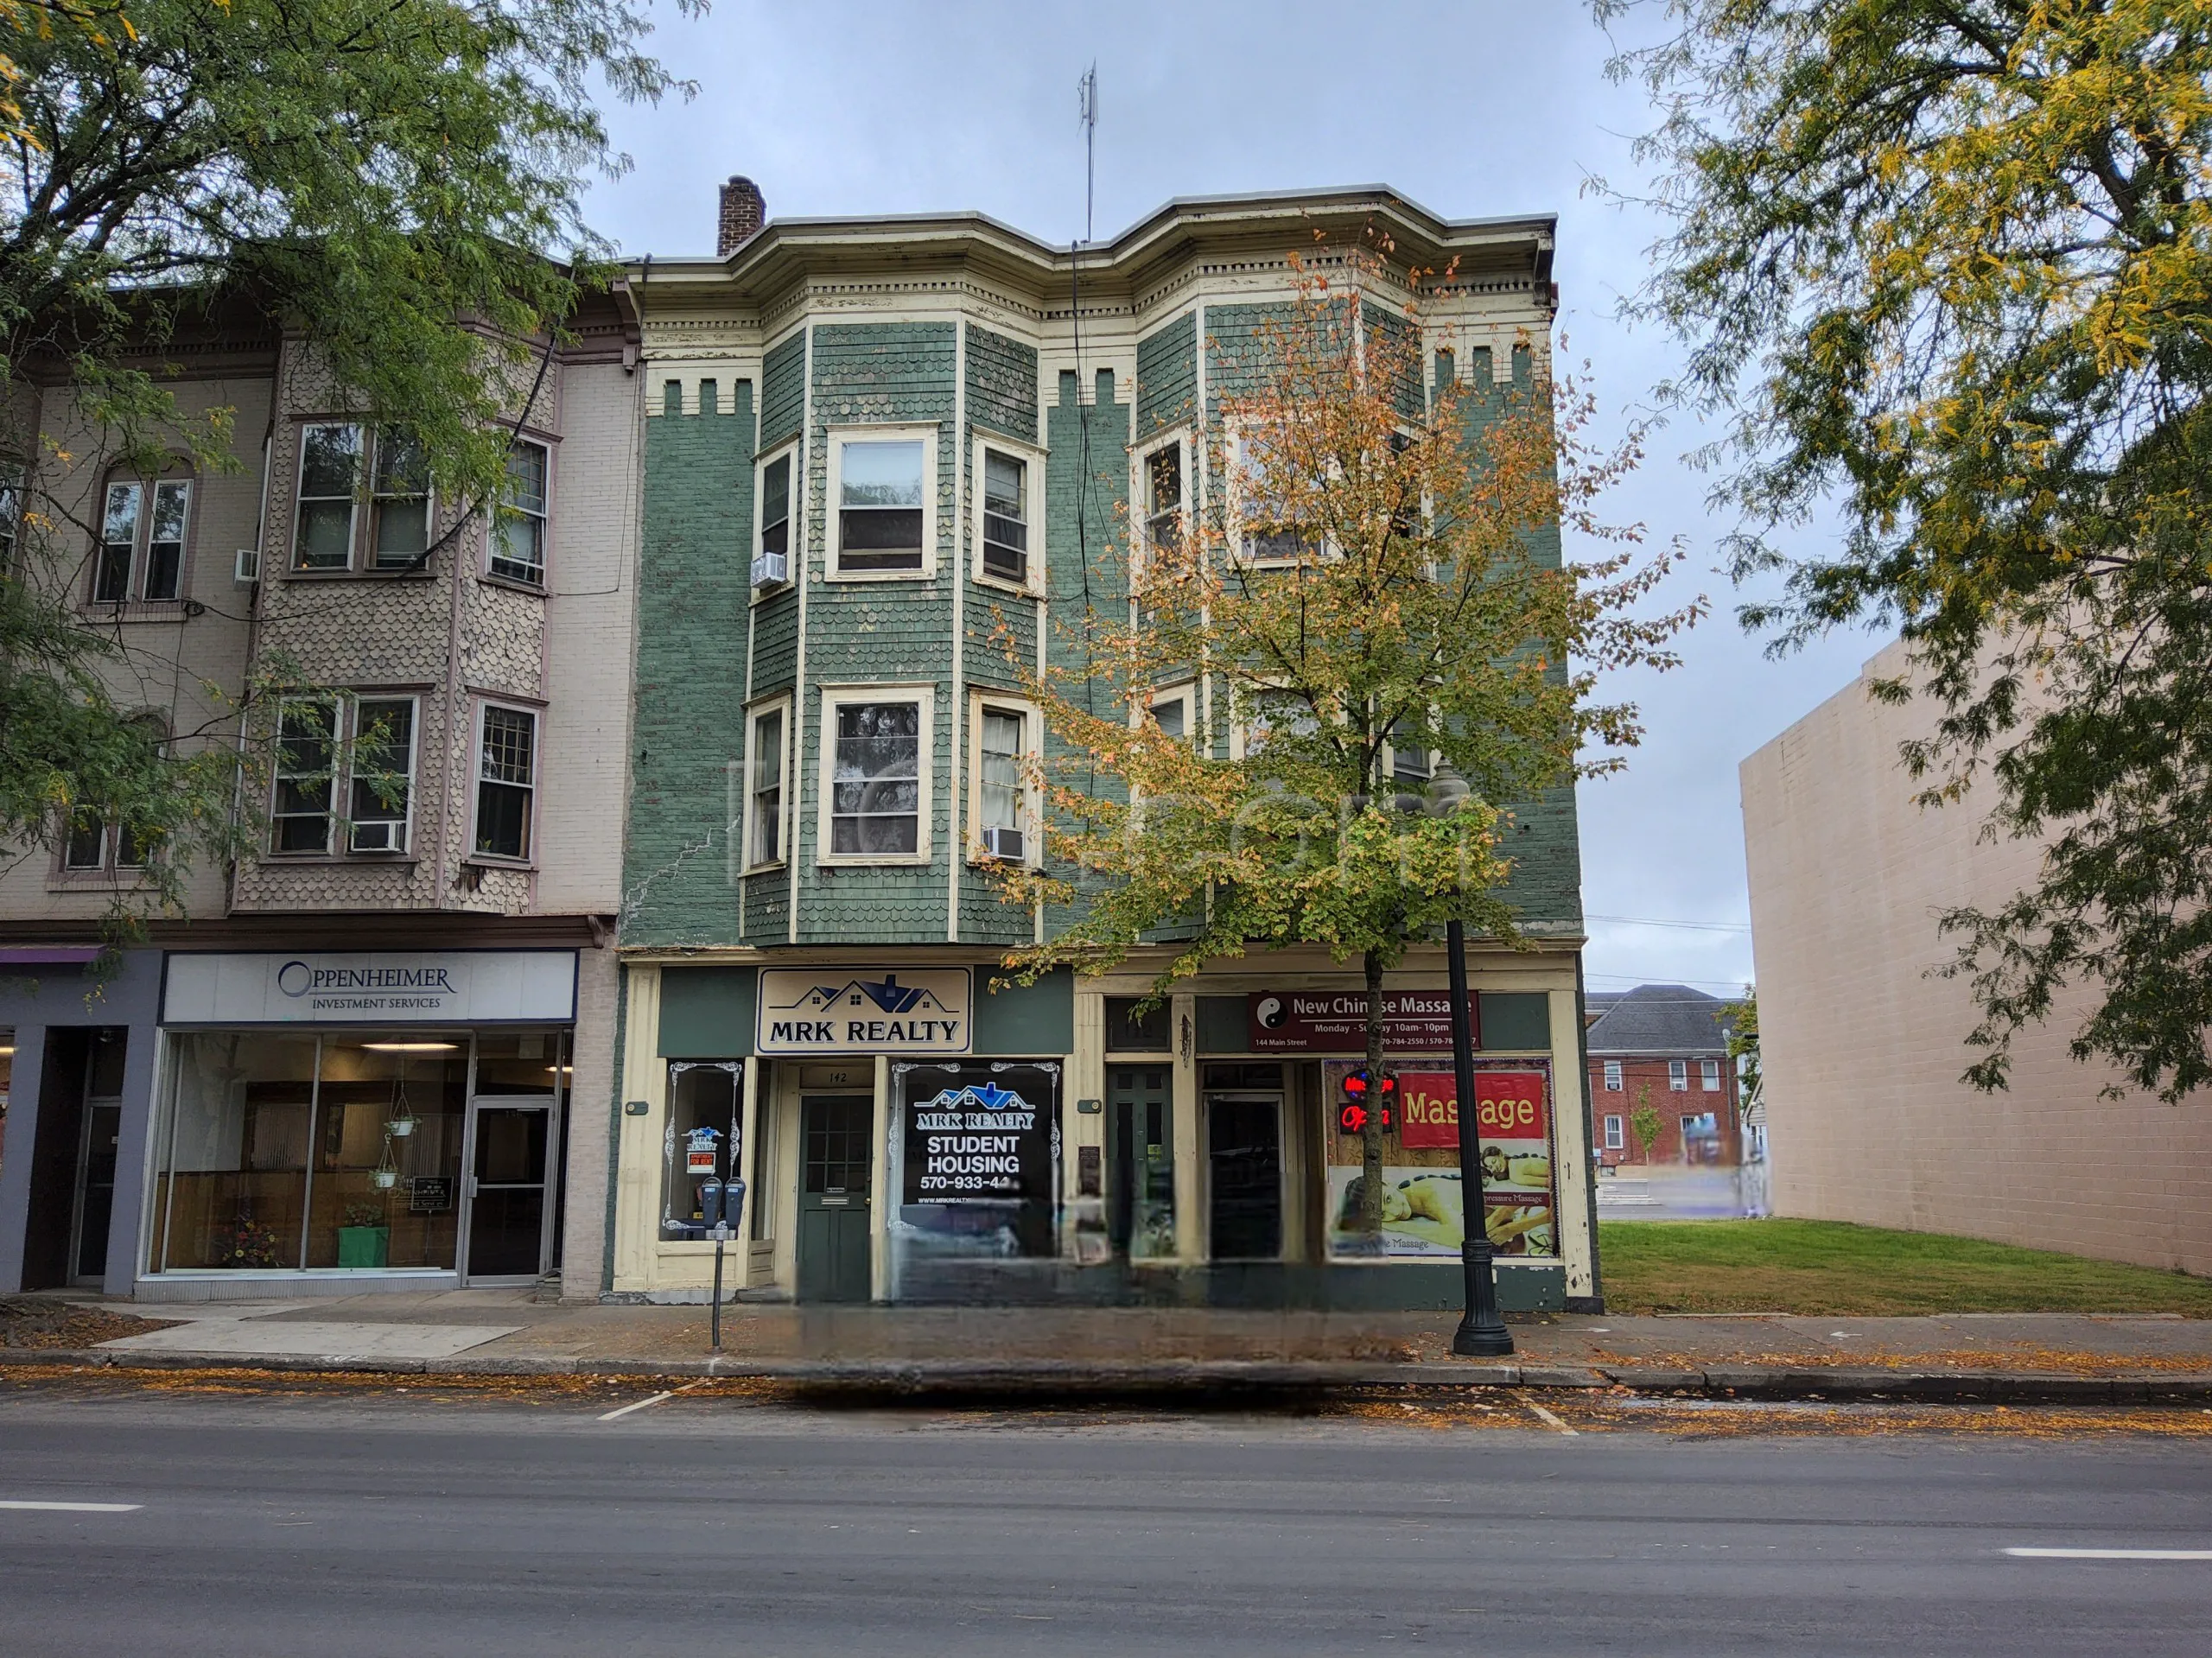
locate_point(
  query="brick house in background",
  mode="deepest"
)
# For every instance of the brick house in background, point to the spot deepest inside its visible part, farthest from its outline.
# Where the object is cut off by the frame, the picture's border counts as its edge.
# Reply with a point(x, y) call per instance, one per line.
point(1669, 1044)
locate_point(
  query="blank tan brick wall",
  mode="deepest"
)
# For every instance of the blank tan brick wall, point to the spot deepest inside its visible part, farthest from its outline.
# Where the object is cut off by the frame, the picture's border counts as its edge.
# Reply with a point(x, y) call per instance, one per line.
point(1867, 1119)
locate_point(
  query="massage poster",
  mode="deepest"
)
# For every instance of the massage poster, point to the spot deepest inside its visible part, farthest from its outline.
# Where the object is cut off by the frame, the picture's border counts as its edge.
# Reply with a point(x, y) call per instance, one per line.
point(1424, 1212)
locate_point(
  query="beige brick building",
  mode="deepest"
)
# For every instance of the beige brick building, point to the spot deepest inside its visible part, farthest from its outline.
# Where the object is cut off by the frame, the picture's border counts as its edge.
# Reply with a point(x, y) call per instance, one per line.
point(377, 1051)
point(1863, 1049)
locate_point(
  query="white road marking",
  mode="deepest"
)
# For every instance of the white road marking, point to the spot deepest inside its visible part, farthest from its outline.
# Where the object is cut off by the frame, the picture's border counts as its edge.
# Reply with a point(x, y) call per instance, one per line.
point(1549, 1419)
point(624, 1410)
point(2111, 1553)
point(75, 1508)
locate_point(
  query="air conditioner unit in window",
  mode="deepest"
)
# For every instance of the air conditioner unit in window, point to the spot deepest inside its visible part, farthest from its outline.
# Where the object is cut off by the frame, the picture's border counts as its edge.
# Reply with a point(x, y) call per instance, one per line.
point(246, 565)
point(387, 836)
point(772, 569)
point(1005, 844)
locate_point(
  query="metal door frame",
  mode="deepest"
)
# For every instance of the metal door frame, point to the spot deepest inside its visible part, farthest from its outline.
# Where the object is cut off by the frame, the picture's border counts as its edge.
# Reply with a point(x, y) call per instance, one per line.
point(72, 1277)
point(465, 1222)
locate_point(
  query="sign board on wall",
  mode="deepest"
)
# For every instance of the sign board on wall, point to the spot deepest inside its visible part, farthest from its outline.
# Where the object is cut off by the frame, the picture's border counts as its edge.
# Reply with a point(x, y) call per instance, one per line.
point(1424, 1208)
point(846, 1010)
point(480, 987)
point(979, 1159)
point(1335, 1021)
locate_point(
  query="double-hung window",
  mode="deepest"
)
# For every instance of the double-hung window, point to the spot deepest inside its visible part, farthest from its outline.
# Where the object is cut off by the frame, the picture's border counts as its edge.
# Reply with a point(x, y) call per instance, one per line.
point(1409, 760)
point(345, 775)
point(334, 526)
point(1008, 513)
point(771, 552)
point(142, 541)
point(1614, 1083)
point(765, 752)
point(506, 781)
point(883, 486)
point(877, 763)
point(518, 531)
point(1709, 1076)
point(1678, 1076)
point(306, 775)
point(1162, 482)
point(94, 845)
point(1615, 1139)
point(1171, 712)
point(1002, 809)
point(1259, 498)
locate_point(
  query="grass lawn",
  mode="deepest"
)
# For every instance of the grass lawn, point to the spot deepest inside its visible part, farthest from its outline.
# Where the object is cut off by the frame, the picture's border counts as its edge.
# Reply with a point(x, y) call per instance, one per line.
point(1831, 1267)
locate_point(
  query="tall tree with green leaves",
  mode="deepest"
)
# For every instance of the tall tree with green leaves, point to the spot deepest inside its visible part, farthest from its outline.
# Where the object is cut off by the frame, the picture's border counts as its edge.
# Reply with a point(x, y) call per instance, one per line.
point(1371, 582)
point(399, 185)
point(1945, 268)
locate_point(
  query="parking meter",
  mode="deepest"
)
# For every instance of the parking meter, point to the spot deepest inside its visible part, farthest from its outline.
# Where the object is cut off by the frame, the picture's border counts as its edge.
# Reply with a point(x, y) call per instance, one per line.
point(711, 1203)
point(721, 1206)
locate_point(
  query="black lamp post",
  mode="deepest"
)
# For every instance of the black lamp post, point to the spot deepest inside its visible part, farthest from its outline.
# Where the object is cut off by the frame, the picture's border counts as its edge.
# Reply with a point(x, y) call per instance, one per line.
point(1482, 1332)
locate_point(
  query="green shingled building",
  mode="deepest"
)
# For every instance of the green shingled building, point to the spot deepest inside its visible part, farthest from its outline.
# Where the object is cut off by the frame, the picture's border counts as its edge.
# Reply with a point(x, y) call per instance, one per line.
point(883, 460)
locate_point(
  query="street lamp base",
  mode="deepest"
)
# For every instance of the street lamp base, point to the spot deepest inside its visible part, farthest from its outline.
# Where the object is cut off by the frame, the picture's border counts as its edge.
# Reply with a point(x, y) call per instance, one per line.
point(1482, 1333)
point(1473, 1341)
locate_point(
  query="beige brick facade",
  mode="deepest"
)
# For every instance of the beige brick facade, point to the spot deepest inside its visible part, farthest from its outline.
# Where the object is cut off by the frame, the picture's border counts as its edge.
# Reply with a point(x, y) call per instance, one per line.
point(1867, 1119)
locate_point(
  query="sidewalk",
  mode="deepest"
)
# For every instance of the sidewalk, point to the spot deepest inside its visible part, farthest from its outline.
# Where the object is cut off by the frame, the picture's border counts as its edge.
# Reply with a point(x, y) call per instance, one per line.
point(2052, 1356)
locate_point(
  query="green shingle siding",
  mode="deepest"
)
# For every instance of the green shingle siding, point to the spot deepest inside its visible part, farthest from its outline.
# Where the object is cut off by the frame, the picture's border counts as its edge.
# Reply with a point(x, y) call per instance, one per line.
point(1167, 369)
point(783, 390)
point(692, 591)
point(1001, 384)
point(1397, 328)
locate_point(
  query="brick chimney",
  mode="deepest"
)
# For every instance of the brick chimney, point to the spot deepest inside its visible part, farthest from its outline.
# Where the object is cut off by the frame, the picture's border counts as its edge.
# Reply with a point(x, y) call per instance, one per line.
point(743, 213)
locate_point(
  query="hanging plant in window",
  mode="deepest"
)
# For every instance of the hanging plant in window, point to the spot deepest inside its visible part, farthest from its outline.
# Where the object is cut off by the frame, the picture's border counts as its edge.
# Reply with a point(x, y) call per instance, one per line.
point(387, 1171)
point(401, 1122)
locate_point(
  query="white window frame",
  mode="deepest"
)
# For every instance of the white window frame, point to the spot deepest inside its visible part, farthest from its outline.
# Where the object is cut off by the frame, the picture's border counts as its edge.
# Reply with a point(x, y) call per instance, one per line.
point(837, 696)
point(1678, 1076)
point(14, 483)
point(1241, 699)
point(406, 822)
point(380, 500)
point(1233, 443)
point(1033, 803)
point(1140, 496)
point(1614, 1082)
point(1184, 692)
point(1616, 1134)
point(138, 558)
point(544, 519)
point(484, 705)
point(785, 747)
point(300, 497)
point(906, 432)
point(1032, 507)
point(1708, 1072)
point(794, 540)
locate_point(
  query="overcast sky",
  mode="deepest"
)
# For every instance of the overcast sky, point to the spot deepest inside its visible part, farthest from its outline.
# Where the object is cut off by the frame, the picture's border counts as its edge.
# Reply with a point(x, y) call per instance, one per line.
point(1471, 109)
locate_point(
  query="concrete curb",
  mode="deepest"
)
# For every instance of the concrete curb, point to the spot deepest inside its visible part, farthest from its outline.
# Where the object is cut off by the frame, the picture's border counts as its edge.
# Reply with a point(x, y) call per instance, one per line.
point(949, 1377)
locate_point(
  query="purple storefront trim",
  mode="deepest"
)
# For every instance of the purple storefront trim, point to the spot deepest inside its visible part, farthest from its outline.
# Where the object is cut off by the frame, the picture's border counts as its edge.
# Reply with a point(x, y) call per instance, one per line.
point(49, 954)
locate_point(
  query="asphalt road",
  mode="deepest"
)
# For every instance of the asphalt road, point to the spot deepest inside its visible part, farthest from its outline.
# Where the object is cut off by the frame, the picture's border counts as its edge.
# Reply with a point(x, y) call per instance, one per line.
point(319, 1528)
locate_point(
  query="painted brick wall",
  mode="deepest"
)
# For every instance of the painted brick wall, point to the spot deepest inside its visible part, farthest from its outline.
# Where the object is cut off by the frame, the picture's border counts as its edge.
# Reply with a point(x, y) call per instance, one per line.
point(692, 593)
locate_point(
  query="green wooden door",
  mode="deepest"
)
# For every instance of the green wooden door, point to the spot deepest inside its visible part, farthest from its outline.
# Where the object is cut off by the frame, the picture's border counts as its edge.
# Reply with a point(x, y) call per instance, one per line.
point(834, 1161)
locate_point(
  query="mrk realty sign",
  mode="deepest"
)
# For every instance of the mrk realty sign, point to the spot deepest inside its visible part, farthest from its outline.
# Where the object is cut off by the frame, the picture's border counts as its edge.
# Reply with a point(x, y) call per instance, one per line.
point(844, 1010)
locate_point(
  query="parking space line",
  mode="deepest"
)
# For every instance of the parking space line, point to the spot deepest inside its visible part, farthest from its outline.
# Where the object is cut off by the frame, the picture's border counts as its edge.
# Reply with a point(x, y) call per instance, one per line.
point(640, 1404)
point(2111, 1553)
point(73, 1508)
point(1548, 1419)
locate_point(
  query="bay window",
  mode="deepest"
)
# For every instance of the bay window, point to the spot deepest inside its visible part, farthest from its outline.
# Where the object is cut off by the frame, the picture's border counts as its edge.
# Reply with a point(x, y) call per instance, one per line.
point(877, 765)
point(518, 531)
point(763, 828)
point(334, 529)
point(1001, 807)
point(885, 526)
point(358, 751)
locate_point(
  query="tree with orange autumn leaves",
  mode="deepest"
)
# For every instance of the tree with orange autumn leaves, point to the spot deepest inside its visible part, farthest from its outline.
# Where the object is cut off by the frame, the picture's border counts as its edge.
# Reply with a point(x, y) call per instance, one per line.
point(1371, 591)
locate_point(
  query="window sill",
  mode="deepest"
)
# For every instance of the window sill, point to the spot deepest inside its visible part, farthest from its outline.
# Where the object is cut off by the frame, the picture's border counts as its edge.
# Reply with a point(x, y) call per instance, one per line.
point(889, 861)
point(1008, 584)
point(484, 861)
point(767, 868)
point(352, 860)
point(835, 575)
point(512, 583)
point(979, 859)
point(99, 880)
point(427, 573)
point(140, 610)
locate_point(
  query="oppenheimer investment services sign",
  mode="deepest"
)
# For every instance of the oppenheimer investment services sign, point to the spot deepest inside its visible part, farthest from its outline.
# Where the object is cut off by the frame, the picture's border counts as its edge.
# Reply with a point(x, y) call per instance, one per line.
point(480, 986)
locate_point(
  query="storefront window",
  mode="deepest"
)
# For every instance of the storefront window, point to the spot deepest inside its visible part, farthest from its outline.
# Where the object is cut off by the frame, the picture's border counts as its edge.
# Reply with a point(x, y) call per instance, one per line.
point(978, 1156)
point(705, 1099)
point(282, 1151)
point(511, 1063)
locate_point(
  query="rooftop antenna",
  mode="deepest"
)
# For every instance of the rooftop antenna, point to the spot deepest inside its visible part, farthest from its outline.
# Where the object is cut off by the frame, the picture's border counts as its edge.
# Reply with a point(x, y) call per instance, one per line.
point(1087, 91)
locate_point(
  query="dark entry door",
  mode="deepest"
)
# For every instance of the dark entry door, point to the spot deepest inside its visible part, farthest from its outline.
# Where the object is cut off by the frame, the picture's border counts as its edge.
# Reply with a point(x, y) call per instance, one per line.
point(1244, 1145)
point(1141, 1160)
point(95, 1193)
point(506, 1190)
point(835, 1163)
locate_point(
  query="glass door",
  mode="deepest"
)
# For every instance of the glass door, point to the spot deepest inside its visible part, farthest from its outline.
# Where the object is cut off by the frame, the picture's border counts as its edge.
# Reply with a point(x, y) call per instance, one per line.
point(510, 1175)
